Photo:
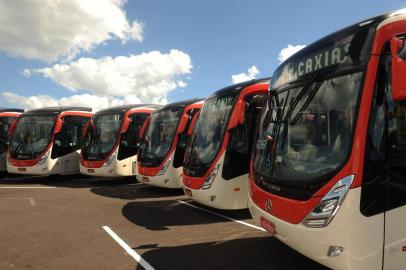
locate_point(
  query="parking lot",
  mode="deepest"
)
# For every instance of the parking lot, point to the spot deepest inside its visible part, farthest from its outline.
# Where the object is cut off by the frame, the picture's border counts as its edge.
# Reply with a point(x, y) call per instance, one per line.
point(73, 222)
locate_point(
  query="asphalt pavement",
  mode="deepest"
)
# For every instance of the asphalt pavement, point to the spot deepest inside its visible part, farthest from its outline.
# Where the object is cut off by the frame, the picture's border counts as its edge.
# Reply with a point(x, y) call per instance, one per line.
point(75, 222)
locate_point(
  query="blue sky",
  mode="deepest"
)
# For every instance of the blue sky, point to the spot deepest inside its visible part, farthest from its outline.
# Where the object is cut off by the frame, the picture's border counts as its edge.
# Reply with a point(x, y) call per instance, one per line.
point(214, 40)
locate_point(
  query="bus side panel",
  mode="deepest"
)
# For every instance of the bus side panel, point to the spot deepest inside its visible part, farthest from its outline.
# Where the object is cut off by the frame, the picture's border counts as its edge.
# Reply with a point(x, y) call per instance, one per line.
point(395, 239)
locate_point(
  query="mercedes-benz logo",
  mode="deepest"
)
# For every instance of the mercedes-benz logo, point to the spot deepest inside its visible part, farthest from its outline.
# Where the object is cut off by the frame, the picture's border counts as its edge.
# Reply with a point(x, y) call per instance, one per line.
point(268, 205)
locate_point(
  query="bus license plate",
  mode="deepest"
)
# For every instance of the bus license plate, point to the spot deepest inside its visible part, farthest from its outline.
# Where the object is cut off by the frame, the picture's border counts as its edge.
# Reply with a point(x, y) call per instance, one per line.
point(188, 192)
point(90, 170)
point(268, 226)
point(145, 179)
point(22, 169)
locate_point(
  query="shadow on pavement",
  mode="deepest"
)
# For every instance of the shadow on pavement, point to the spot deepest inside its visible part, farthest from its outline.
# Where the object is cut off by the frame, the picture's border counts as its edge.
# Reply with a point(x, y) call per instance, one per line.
point(159, 215)
point(236, 214)
point(249, 253)
point(136, 192)
point(69, 181)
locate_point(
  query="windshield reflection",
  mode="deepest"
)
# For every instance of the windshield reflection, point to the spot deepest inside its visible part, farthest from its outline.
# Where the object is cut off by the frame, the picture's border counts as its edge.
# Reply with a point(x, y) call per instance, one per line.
point(31, 136)
point(209, 131)
point(103, 135)
point(159, 135)
point(315, 138)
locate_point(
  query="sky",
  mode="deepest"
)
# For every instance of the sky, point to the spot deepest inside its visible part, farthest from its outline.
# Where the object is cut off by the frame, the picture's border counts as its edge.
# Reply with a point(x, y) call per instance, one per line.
point(103, 53)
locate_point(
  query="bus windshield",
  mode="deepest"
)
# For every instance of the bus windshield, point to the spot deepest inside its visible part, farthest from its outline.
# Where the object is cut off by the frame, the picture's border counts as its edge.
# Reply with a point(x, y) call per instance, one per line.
point(305, 134)
point(102, 135)
point(209, 134)
point(159, 136)
point(5, 123)
point(31, 136)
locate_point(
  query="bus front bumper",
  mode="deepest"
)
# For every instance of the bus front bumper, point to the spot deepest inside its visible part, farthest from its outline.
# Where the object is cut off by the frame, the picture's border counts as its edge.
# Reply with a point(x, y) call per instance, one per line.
point(114, 170)
point(171, 179)
point(48, 168)
point(223, 194)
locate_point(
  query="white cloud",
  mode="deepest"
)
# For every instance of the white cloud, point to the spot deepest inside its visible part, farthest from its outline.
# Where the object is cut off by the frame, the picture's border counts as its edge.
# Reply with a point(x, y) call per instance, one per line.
point(285, 53)
point(53, 29)
point(148, 76)
point(86, 100)
point(182, 84)
point(242, 77)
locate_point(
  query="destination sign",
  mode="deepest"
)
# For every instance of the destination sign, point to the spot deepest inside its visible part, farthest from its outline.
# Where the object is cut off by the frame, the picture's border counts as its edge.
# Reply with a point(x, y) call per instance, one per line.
point(319, 60)
point(332, 54)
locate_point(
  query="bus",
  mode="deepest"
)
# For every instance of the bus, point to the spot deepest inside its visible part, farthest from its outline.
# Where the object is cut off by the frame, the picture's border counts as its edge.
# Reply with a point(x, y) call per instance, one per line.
point(162, 151)
point(47, 141)
point(217, 160)
point(112, 140)
point(328, 174)
point(8, 117)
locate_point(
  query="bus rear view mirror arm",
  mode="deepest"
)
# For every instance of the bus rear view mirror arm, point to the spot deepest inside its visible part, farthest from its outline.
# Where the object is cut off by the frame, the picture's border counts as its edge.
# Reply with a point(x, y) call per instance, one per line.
point(398, 51)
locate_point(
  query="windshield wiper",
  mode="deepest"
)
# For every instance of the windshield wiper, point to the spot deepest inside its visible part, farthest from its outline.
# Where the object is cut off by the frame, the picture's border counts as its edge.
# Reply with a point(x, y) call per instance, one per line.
point(301, 94)
point(32, 148)
point(21, 143)
point(96, 139)
point(306, 104)
point(318, 76)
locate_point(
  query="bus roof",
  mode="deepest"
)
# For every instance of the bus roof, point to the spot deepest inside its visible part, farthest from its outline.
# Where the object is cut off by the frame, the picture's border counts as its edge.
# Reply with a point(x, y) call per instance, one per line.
point(3, 110)
point(182, 103)
point(124, 108)
point(56, 110)
point(237, 88)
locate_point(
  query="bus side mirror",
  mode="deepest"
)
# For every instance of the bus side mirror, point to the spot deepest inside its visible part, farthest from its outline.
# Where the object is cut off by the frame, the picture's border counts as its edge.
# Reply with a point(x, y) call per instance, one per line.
point(85, 128)
point(398, 52)
point(193, 124)
point(126, 124)
point(144, 127)
point(238, 115)
point(183, 123)
point(11, 128)
point(58, 126)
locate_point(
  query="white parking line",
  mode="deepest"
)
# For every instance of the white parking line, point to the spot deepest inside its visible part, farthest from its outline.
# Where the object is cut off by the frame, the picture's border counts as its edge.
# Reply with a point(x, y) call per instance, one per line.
point(128, 249)
point(26, 187)
point(32, 201)
point(223, 216)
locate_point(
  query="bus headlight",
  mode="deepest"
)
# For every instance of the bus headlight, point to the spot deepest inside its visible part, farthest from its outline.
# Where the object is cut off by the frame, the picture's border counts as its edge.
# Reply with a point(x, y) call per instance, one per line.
point(328, 207)
point(162, 171)
point(209, 180)
point(109, 160)
point(43, 159)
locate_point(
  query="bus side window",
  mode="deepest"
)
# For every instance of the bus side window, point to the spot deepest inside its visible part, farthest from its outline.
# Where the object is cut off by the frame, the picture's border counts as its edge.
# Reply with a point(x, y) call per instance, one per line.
point(130, 140)
point(70, 138)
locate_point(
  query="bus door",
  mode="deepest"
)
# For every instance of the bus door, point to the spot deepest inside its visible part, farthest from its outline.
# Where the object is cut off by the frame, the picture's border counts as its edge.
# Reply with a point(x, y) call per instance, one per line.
point(68, 142)
point(395, 216)
point(384, 180)
point(238, 154)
